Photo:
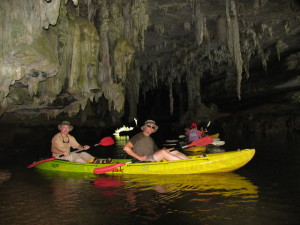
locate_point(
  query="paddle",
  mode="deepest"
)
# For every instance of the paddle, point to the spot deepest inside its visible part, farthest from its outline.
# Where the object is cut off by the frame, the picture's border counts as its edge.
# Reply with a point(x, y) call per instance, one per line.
point(199, 142)
point(109, 168)
point(104, 142)
point(208, 124)
point(205, 130)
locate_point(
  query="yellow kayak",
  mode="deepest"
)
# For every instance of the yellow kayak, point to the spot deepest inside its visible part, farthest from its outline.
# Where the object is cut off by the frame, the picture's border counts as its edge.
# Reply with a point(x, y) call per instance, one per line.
point(215, 135)
point(212, 163)
point(196, 149)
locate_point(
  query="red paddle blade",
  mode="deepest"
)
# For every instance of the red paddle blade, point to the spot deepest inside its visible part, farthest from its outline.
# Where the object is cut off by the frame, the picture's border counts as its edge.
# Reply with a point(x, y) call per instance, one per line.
point(202, 141)
point(109, 168)
point(106, 141)
point(39, 162)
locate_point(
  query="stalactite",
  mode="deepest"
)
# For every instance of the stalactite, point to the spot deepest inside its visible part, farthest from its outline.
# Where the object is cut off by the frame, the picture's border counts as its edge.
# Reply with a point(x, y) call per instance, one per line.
point(139, 12)
point(247, 56)
point(132, 86)
point(259, 3)
point(52, 113)
point(187, 27)
point(113, 92)
point(193, 81)
point(159, 28)
point(293, 61)
point(280, 47)
point(264, 58)
point(265, 28)
point(286, 27)
point(122, 55)
point(221, 29)
point(233, 38)
point(171, 98)
point(154, 74)
point(91, 10)
point(83, 117)
point(128, 22)
point(198, 20)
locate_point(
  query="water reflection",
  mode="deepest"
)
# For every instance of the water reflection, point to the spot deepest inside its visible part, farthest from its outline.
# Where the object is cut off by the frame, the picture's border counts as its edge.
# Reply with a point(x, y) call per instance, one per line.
point(201, 187)
point(226, 184)
point(150, 197)
point(267, 193)
point(61, 175)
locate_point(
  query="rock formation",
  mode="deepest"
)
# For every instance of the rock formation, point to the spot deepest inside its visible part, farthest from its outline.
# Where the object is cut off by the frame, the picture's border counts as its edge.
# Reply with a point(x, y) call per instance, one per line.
point(103, 60)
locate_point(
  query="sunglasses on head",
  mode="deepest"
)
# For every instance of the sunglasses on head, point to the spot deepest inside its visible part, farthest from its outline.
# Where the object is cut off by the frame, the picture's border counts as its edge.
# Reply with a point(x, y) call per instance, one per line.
point(153, 127)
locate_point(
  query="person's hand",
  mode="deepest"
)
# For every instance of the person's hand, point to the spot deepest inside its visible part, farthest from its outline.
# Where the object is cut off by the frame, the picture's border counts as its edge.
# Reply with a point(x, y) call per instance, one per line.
point(168, 149)
point(86, 147)
point(142, 158)
point(66, 153)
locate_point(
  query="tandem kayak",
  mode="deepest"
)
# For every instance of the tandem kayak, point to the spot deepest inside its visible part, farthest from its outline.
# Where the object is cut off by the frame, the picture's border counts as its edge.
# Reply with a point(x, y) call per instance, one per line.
point(212, 163)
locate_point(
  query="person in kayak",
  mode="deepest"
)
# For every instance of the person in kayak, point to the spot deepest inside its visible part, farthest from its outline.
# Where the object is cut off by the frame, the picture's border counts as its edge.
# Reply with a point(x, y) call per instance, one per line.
point(143, 148)
point(193, 133)
point(62, 143)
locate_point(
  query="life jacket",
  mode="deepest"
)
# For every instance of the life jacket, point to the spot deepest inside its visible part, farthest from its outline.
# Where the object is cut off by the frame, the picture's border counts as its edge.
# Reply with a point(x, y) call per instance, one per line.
point(194, 135)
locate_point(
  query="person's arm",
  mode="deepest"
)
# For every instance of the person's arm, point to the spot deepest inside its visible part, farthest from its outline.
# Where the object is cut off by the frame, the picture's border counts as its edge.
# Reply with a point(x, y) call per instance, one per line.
point(187, 132)
point(55, 150)
point(76, 145)
point(128, 148)
point(85, 147)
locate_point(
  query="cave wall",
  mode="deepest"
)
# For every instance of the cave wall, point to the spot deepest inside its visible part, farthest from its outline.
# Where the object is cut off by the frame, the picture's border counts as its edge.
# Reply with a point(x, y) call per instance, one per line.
point(56, 56)
point(96, 61)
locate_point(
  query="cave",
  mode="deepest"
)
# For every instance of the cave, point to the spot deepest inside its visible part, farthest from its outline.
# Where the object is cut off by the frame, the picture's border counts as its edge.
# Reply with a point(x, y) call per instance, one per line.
point(101, 64)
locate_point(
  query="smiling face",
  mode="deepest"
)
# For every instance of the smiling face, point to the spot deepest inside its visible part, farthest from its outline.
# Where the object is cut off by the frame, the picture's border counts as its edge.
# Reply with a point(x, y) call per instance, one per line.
point(149, 128)
point(65, 129)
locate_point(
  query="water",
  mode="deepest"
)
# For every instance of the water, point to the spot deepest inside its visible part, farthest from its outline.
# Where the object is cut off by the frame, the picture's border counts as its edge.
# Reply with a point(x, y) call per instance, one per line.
point(265, 191)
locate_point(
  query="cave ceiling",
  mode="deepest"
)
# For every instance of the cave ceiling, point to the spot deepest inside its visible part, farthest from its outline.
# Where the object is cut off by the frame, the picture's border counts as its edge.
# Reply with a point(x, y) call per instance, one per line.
point(98, 58)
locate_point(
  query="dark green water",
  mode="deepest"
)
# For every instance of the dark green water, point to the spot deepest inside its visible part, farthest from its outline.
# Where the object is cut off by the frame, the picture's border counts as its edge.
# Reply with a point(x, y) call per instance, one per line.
point(265, 191)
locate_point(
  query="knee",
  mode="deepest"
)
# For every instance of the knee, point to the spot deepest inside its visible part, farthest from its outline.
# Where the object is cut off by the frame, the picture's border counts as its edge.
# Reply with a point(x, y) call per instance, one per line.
point(80, 160)
point(163, 152)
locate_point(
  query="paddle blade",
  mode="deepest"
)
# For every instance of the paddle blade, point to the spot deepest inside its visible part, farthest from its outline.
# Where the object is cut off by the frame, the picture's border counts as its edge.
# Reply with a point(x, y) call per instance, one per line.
point(202, 141)
point(109, 168)
point(39, 162)
point(106, 141)
point(208, 124)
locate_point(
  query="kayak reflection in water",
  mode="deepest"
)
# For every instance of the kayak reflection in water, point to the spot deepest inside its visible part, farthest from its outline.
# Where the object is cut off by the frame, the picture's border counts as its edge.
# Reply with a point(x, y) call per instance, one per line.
point(143, 148)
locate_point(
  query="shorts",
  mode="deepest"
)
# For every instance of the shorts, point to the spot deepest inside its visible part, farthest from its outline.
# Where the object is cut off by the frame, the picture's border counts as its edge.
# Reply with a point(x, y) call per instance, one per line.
point(150, 158)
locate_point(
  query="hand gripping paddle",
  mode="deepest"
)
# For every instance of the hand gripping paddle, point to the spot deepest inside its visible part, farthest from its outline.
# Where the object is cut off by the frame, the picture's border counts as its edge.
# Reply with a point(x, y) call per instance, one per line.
point(104, 142)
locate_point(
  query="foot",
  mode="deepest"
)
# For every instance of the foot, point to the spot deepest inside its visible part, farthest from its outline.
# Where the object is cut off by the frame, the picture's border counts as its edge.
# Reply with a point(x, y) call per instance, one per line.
point(203, 155)
point(96, 160)
point(106, 161)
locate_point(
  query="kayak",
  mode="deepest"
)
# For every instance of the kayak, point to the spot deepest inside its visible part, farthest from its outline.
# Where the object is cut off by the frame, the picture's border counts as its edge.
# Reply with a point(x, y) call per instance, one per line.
point(196, 149)
point(212, 163)
point(215, 135)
